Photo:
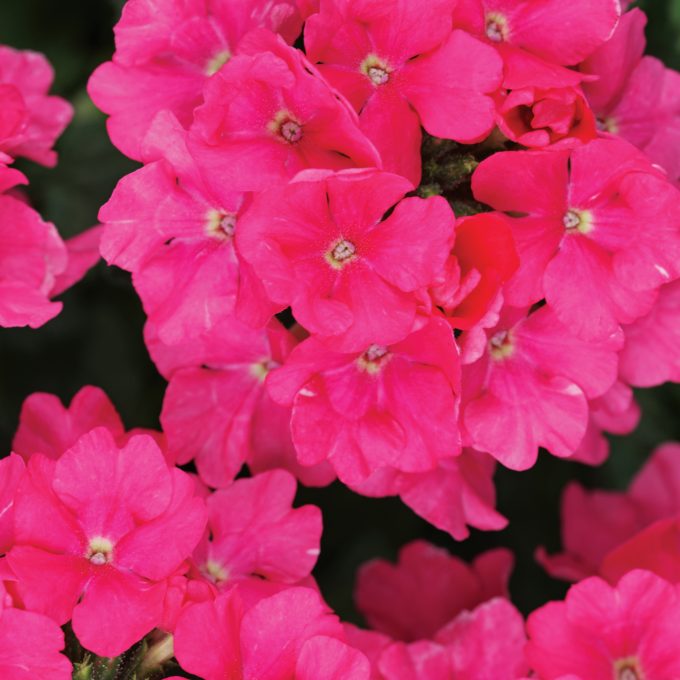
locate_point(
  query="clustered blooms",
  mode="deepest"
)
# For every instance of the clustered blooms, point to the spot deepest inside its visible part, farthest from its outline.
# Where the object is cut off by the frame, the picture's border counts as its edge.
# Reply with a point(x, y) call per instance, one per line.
point(35, 264)
point(374, 242)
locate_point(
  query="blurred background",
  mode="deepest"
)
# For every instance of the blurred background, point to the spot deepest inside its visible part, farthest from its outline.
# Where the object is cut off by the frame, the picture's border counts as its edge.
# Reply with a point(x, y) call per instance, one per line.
point(97, 339)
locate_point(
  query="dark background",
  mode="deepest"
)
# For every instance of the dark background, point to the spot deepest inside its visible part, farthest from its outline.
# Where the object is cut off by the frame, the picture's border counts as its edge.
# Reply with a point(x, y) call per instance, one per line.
point(97, 339)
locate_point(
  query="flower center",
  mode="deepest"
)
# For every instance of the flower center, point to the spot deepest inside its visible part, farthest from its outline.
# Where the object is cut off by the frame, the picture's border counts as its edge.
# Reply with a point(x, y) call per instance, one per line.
point(341, 253)
point(501, 345)
point(607, 124)
point(215, 571)
point(100, 551)
point(496, 27)
point(375, 69)
point(628, 669)
point(578, 220)
point(374, 358)
point(260, 369)
point(286, 127)
point(217, 62)
point(220, 224)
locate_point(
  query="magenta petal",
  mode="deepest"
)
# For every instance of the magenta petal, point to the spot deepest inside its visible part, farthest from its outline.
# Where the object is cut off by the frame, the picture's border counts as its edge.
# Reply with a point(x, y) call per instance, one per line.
point(448, 88)
point(49, 584)
point(116, 611)
point(30, 646)
point(330, 659)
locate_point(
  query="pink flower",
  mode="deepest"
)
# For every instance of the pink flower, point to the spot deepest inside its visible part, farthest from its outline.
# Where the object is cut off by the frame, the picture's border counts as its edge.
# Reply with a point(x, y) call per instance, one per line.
point(30, 120)
point(636, 97)
point(289, 635)
point(32, 256)
point(267, 115)
point(427, 588)
point(600, 632)
point(394, 63)
point(254, 531)
point(648, 357)
point(47, 427)
point(554, 117)
point(595, 523)
point(217, 410)
point(487, 642)
point(526, 383)
point(540, 34)
point(481, 262)
point(386, 407)
point(319, 245)
point(598, 231)
point(12, 471)
point(29, 645)
point(166, 53)
point(98, 533)
point(176, 236)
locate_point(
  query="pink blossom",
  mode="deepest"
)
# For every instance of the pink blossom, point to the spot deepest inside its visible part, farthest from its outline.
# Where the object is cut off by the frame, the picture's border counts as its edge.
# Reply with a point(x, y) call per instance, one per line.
point(636, 97)
point(540, 34)
point(427, 588)
point(217, 410)
point(176, 236)
point(254, 531)
point(269, 114)
point(289, 635)
point(649, 355)
point(546, 117)
point(394, 63)
point(580, 237)
point(47, 427)
point(481, 262)
point(30, 120)
point(32, 256)
point(595, 523)
point(29, 645)
point(385, 407)
point(600, 632)
point(526, 382)
point(319, 245)
point(98, 533)
point(12, 471)
point(167, 52)
point(487, 642)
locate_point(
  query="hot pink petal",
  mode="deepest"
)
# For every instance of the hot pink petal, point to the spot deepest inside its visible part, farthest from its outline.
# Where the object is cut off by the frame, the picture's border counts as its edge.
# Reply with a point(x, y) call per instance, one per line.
point(117, 610)
point(451, 103)
point(30, 646)
point(331, 659)
point(46, 427)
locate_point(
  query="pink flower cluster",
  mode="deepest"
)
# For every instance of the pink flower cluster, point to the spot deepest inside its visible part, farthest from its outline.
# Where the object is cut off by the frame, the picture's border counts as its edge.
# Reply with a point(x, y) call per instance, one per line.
point(35, 264)
point(222, 580)
point(435, 239)
point(301, 288)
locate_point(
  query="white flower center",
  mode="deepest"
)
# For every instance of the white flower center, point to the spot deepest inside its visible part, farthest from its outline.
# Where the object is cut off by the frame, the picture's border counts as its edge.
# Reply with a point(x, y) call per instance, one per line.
point(99, 551)
point(341, 253)
point(496, 27)
point(374, 358)
point(578, 220)
point(379, 76)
